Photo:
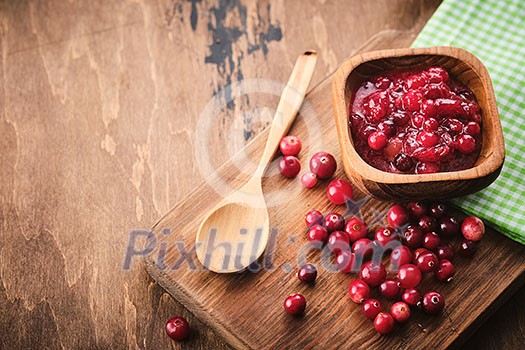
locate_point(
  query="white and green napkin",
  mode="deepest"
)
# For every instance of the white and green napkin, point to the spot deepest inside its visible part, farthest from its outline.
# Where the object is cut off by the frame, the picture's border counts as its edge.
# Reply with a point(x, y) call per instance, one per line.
point(494, 31)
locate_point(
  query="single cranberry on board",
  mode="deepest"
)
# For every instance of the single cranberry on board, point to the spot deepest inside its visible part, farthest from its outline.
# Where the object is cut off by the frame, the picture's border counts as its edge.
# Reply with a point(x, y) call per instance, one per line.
point(295, 304)
point(334, 222)
point(323, 165)
point(290, 145)
point(409, 276)
point(432, 303)
point(177, 328)
point(371, 307)
point(313, 217)
point(473, 228)
point(373, 273)
point(339, 191)
point(411, 296)
point(317, 233)
point(289, 166)
point(384, 323)
point(400, 256)
point(358, 291)
point(390, 288)
point(307, 273)
point(338, 241)
point(309, 180)
point(400, 311)
point(397, 216)
point(444, 271)
point(356, 229)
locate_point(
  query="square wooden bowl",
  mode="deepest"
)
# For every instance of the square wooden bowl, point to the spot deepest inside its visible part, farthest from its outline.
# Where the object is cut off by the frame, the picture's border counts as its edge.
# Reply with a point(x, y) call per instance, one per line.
point(464, 67)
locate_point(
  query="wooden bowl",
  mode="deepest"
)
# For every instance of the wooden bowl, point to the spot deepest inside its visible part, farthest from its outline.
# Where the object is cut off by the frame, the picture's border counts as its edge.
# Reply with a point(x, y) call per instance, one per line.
point(464, 67)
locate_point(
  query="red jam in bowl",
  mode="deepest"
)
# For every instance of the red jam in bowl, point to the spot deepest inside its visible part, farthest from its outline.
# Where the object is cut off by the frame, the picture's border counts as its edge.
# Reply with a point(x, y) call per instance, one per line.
point(416, 122)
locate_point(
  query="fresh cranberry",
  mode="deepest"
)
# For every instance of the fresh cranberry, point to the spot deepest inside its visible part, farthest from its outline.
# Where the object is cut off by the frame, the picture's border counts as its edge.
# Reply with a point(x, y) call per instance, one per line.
point(413, 236)
point(307, 273)
point(177, 328)
point(400, 255)
point(290, 145)
point(334, 222)
point(363, 248)
point(427, 223)
point(448, 226)
point(377, 140)
point(317, 233)
point(409, 276)
point(371, 307)
point(473, 228)
point(437, 210)
point(431, 241)
point(339, 191)
point(400, 311)
point(346, 261)
point(295, 304)
point(384, 323)
point(389, 288)
point(338, 241)
point(417, 209)
point(372, 273)
point(309, 180)
point(289, 166)
point(427, 262)
point(384, 235)
point(313, 217)
point(433, 303)
point(323, 165)
point(411, 296)
point(358, 291)
point(397, 216)
point(445, 270)
point(467, 248)
point(356, 229)
point(417, 252)
point(445, 251)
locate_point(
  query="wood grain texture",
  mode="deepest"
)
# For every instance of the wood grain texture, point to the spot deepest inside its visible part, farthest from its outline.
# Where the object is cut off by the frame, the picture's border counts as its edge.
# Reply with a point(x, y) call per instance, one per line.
point(99, 102)
point(237, 305)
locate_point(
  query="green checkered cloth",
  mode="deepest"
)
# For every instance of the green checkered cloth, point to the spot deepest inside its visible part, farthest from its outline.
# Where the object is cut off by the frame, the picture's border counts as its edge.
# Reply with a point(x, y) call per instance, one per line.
point(494, 31)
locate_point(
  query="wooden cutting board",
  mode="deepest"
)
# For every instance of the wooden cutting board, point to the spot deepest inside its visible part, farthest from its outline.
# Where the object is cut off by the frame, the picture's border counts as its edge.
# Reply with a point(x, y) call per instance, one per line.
point(246, 308)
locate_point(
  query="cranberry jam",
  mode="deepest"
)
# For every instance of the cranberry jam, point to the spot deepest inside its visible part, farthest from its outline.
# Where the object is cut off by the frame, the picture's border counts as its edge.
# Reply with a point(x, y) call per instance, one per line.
point(416, 122)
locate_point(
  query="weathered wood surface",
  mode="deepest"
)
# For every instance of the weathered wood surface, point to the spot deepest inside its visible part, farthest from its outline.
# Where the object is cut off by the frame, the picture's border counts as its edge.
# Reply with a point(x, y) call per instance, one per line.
point(99, 106)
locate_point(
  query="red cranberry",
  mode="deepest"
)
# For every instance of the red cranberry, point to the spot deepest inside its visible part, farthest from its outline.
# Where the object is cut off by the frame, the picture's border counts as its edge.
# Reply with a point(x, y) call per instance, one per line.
point(444, 271)
point(400, 255)
point(433, 303)
point(383, 83)
point(339, 191)
point(372, 273)
point(448, 226)
point(295, 304)
point(417, 209)
point(307, 273)
point(473, 228)
point(454, 125)
point(431, 241)
point(411, 296)
point(309, 180)
point(334, 222)
point(437, 74)
point(313, 217)
point(317, 233)
point(467, 248)
point(465, 144)
point(384, 235)
point(427, 262)
point(428, 109)
point(177, 328)
point(437, 210)
point(384, 323)
point(289, 166)
point(445, 251)
point(430, 124)
point(404, 163)
point(400, 312)
point(371, 307)
point(397, 216)
point(427, 223)
point(377, 105)
point(411, 101)
point(338, 241)
point(359, 291)
point(409, 276)
point(413, 236)
point(323, 165)
point(377, 140)
point(417, 253)
point(389, 288)
point(417, 120)
point(387, 127)
point(427, 168)
point(290, 145)
point(346, 262)
point(472, 128)
point(356, 229)
point(363, 248)
point(428, 138)
point(415, 81)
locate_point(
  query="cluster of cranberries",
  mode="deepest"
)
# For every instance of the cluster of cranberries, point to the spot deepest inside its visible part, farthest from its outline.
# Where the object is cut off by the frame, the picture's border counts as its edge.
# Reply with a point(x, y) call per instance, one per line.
point(416, 122)
point(418, 239)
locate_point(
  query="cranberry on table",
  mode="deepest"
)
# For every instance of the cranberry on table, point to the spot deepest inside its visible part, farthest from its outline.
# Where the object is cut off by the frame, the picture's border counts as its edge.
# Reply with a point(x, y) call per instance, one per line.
point(467, 248)
point(346, 261)
point(356, 229)
point(411, 296)
point(431, 240)
point(449, 226)
point(390, 288)
point(338, 241)
point(445, 271)
point(309, 180)
point(400, 311)
point(384, 235)
point(334, 222)
point(313, 217)
point(289, 166)
point(290, 145)
point(445, 251)
point(400, 256)
point(339, 191)
point(323, 165)
point(437, 210)
point(384, 323)
point(317, 233)
point(358, 291)
point(295, 304)
point(397, 216)
point(177, 328)
point(307, 273)
point(363, 248)
point(427, 223)
point(432, 303)
point(409, 276)
point(371, 307)
point(373, 273)
point(417, 209)
point(417, 252)
point(473, 228)
point(413, 236)
point(427, 262)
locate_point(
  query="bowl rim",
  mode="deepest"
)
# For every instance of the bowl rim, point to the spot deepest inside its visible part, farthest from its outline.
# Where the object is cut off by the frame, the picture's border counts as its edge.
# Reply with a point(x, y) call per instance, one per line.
point(350, 156)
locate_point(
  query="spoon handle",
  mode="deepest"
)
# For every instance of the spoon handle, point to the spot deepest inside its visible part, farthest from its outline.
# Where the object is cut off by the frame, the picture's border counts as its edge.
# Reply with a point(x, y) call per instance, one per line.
point(291, 100)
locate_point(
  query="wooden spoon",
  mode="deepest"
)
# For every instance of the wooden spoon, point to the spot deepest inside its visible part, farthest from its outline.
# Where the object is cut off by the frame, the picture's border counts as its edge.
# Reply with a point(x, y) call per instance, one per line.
point(234, 234)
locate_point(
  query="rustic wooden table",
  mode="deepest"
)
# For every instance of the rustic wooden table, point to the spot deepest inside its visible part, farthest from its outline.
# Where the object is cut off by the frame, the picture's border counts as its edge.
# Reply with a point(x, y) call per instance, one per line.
point(100, 103)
